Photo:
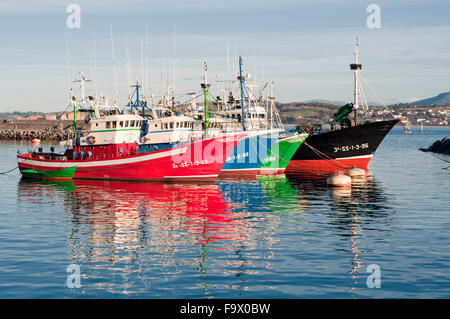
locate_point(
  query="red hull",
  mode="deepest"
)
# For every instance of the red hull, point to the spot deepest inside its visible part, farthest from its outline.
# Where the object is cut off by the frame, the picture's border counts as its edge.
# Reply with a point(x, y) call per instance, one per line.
point(328, 167)
point(197, 160)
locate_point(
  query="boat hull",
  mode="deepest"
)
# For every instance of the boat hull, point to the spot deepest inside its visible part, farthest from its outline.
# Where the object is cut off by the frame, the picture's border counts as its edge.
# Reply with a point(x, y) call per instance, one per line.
point(53, 174)
point(281, 153)
point(198, 160)
point(248, 155)
point(339, 150)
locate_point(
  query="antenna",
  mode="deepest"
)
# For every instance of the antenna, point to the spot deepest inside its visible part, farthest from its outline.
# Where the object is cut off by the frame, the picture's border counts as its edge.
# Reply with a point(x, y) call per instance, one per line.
point(82, 81)
point(228, 56)
point(174, 59)
point(142, 68)
point(147, 77)
point(95, 66)
point(241, 80)
point(356, 67)
point(114, 63)
point(128, 67)
point(68, 61)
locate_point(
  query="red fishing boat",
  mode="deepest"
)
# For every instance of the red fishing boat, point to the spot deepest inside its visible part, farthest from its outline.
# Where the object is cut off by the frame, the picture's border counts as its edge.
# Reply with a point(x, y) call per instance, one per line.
point(111, 149)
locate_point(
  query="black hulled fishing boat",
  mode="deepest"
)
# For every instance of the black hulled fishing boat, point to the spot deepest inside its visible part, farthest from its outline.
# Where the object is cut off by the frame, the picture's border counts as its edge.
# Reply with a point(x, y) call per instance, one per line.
point(350, 142)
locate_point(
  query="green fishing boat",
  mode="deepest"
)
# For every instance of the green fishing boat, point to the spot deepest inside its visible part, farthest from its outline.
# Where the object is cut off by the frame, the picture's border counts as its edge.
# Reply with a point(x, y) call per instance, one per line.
point(63, 173)
point(281, 152)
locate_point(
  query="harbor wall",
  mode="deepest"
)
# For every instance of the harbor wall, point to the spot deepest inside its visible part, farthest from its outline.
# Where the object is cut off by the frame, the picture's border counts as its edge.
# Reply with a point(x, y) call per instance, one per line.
point(46, 130)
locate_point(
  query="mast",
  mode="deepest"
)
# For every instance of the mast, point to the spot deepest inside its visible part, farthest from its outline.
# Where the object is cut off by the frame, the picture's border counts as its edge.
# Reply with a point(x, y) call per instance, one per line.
point(356, 67)
point(205, 86)
point(241, 80)
point(73, 101)
point(136, 103)
point(272, 101)
point(114, 63)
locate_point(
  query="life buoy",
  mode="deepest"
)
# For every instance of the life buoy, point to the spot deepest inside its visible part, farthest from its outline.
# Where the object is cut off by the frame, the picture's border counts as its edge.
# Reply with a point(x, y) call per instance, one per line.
point(143, 139)
point(91, 139)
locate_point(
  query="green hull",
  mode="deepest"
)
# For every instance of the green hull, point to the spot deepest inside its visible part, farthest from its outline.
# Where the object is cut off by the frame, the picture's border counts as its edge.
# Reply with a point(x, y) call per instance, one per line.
point(282, 151)
point(63, 173)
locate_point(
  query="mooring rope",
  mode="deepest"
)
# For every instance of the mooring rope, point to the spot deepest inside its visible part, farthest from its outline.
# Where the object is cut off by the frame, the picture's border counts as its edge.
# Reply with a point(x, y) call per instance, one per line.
point(3, 173)
point(324, 156)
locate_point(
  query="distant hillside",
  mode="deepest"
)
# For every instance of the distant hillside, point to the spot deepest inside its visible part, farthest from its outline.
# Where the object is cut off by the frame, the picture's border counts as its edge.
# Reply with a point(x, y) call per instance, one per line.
point(301, 112)
point(324, 101)
point(440, 99)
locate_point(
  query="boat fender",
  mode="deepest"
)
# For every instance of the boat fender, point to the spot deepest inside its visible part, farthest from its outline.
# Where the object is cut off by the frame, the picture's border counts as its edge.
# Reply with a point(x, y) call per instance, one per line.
point(355, 172)
point(91, 139)
point(339, 180)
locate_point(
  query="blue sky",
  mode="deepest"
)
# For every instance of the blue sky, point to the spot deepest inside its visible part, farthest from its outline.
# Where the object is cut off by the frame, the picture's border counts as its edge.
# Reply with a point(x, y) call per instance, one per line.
point(304, 46)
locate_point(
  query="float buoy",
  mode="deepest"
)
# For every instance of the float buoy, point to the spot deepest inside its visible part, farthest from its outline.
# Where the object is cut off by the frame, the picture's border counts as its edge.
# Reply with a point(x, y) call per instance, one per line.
point(36, 142)
point(355, 172)
point(91, 139)
point(339, 180)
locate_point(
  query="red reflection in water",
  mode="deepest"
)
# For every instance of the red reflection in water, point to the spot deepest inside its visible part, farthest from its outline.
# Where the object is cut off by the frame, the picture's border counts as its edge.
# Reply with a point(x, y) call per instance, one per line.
point(199, 209)
point(118, 211)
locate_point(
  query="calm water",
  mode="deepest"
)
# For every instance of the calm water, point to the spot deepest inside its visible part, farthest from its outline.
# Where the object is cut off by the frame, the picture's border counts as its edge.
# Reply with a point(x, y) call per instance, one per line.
point(265, 238)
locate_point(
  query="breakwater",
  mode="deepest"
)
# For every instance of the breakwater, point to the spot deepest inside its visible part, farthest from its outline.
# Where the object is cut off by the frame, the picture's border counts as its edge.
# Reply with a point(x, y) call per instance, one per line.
point(440, 146)
point(46, 130)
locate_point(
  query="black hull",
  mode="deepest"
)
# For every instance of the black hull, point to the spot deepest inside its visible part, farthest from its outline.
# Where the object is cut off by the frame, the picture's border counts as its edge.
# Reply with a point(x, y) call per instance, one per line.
point(355, 141)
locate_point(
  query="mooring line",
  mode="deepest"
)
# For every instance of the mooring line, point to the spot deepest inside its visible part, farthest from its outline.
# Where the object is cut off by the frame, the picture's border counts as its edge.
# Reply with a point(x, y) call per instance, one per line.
point(3, 173)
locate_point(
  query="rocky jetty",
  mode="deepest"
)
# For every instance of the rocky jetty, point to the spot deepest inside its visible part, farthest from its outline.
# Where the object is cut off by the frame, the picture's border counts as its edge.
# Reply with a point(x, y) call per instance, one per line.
point(440, 146)
point(45, 130)
point(44, 135)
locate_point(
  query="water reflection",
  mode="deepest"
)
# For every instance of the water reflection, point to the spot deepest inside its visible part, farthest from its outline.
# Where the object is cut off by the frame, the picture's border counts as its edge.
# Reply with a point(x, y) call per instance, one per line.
point(352, 210)
point(131, 237)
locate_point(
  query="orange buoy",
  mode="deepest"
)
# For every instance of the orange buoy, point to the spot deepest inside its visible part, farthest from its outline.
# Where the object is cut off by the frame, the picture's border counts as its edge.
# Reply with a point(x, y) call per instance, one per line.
point(36, 142)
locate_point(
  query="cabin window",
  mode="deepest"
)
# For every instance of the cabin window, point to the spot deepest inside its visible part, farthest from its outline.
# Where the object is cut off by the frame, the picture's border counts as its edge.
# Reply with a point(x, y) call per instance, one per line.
point(171, 124)
point(114, 124)
point(178, 124)
point(96, 124)
point(126, 123)
point(261, 116)
point(121, 123)
point(165, 126)
point(156, 125)
point(131, 123)
point(108, 124)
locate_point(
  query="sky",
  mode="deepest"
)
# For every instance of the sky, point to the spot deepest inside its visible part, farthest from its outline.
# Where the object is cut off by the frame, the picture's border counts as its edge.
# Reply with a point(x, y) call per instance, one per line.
point(304, 46)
